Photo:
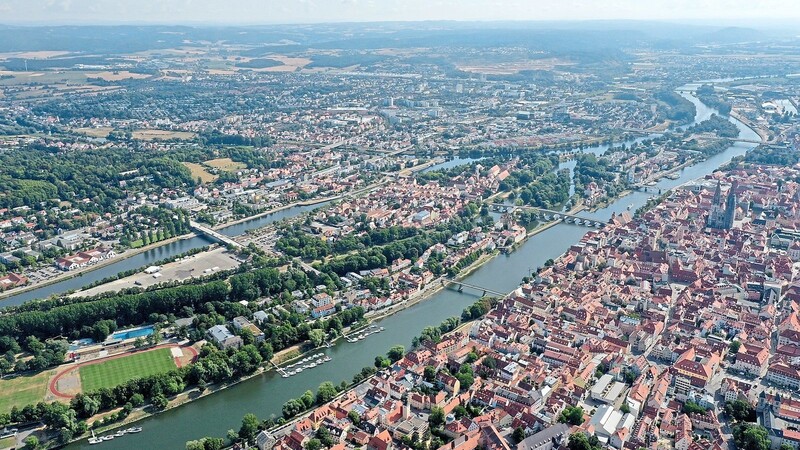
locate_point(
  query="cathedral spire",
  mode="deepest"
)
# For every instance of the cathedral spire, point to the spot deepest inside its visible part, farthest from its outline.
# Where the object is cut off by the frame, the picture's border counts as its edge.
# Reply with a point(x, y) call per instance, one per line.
point(717, 194)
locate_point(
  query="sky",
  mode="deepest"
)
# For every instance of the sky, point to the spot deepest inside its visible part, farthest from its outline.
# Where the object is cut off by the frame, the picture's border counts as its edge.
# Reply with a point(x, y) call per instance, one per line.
point(252, 12)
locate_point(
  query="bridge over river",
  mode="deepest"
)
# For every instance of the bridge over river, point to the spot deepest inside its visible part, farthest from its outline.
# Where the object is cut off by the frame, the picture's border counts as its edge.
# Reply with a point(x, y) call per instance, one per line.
point(461, 285)
point(549, 214)
point(214, 234)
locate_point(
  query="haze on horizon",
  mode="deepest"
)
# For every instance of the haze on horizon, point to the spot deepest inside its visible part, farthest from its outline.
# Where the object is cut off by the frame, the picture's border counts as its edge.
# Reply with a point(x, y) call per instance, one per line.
point(251, 12)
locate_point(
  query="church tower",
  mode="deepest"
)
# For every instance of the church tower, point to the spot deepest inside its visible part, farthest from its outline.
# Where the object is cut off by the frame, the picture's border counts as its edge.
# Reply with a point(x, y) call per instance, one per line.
point(730, 207)
point(722, 215)
point(715, 216)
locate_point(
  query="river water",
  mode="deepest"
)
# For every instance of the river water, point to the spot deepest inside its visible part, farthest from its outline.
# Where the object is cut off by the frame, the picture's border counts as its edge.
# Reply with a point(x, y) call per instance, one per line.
point(265, 394)
point(150, 256)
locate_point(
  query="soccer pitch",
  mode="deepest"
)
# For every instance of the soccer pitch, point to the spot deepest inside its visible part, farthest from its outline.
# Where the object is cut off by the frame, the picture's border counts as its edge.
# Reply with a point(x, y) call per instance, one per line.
point(117, 371)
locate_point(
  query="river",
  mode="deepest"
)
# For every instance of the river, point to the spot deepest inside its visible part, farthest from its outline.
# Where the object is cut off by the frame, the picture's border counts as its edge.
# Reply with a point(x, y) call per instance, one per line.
point(150, 256)
point(265, 394)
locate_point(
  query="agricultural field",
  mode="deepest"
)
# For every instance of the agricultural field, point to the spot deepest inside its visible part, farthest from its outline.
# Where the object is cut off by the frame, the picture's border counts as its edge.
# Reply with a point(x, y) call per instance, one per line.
point(116, 75)
point(116, 371)
point(23, 390)
point(99, 132)
point(225, 164)
point(152, 135)
point(200, 172)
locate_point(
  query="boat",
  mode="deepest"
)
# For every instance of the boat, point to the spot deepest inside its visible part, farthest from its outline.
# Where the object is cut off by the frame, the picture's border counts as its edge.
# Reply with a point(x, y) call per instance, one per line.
point(94, 440)
point(630, 206)
point(320, 361)
point(109, 437)
point(134, 429)
point(312, 365)
point(119, 433)
point(327, 358)
point(285, 375)
point(299, 369)
point(381, 329)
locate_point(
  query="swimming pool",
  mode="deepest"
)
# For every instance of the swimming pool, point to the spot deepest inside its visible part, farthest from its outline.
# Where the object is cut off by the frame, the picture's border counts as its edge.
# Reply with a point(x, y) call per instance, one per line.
point(132, 333)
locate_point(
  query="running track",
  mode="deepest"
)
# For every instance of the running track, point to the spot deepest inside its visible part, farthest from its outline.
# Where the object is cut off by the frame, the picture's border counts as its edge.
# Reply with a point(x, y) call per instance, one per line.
point(53, 386)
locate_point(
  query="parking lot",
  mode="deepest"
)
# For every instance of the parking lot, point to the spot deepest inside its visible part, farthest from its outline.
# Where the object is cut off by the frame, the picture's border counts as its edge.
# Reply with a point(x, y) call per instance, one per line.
point(195, 266)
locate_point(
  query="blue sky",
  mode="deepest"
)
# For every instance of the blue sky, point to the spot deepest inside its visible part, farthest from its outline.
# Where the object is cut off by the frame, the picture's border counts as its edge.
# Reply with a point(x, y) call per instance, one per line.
point(305, 11)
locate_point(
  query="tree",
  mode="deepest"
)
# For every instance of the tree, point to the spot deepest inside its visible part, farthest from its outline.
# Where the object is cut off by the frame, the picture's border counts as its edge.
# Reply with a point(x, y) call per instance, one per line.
point(249, 427)
point(34, 345)
point(137, 399)
point(572, 415)
point(195, 445)
point(292, 408)
point(430, 373)
point(734, 346)
point(436, 418)
point(316, 336)
point(740, 411)
point(691, 407)
point(381, 362)
point(625, 408)
point(160, 402)
point(396, 353)
point(313, 444)
point(354, 417)
point(581, 441)
point(307, 399)
point(325, 437)
point(786, 446)
point(31, 443)
point(325, 392)
point(465, 377)
point(518, 435)
point(748, 436)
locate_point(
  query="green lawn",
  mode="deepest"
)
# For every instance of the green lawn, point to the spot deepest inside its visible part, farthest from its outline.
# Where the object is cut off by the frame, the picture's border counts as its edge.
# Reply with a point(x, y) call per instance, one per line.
point(8, 442)
point(117, 371)
point(23, 390)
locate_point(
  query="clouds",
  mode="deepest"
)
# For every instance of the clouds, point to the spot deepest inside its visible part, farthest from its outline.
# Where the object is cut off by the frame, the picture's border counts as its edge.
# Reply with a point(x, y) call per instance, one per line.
point(303, 11)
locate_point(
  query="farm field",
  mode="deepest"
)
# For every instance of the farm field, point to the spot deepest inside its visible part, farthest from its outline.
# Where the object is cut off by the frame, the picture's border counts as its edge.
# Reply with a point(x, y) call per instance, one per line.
point(151, 135)
point(200, 172)
point(119, 370)
point(99, 132)
point(225, 164)
point(23, 390)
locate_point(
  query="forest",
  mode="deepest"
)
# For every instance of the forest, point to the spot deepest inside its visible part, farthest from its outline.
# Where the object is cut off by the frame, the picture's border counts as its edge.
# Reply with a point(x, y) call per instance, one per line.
point(678, 108)
point(709, 96)
point(41, 173)
point(772, 155)
point(380, 256)
point(591, 168)
point(715, 124)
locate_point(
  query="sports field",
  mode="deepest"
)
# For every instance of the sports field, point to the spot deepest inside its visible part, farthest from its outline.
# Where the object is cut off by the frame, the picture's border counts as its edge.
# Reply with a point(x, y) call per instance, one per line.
point(23, 390)
point(119, 370)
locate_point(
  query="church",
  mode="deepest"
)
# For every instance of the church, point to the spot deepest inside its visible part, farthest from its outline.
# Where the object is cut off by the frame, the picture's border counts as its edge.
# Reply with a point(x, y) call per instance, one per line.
point(722, 215)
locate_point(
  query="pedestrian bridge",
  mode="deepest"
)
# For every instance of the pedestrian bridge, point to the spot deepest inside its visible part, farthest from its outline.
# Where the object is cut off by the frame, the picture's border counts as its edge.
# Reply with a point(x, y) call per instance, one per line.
point(461, 285)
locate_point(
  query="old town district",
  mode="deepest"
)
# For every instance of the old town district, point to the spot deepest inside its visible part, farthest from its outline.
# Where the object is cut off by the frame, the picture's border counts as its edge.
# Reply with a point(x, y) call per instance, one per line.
point(676, 329)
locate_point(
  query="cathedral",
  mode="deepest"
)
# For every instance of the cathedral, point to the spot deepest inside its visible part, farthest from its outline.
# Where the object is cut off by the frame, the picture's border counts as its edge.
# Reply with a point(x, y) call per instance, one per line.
point(721, 216)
